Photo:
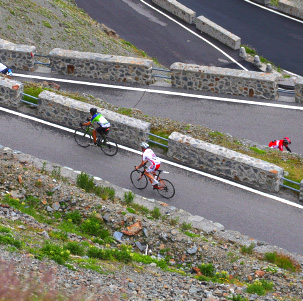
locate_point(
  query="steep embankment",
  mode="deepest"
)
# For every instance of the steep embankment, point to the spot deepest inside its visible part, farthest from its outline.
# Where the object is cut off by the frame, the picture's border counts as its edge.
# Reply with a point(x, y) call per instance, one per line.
point(49, 24)
point(71, 238)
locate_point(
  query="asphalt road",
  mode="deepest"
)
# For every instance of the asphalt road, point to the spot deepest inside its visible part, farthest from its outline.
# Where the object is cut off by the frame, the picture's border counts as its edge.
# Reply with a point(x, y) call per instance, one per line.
point(237, 209)
point(278, 39)
point(158, 36)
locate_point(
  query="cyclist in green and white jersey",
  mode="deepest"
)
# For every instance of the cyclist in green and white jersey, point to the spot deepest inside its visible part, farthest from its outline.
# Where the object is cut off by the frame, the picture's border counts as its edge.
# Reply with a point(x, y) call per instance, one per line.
point(99, 122)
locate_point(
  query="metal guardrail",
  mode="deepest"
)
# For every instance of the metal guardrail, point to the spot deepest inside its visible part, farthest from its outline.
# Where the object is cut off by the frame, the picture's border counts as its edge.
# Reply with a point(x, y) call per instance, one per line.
point(27, 102)
point(158, 143)
point(161, 76)
point(290, 181)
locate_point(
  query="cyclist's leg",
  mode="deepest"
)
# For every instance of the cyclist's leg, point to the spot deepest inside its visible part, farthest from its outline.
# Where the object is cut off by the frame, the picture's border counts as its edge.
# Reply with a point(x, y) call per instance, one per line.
point(149, 172)
point(95, 136)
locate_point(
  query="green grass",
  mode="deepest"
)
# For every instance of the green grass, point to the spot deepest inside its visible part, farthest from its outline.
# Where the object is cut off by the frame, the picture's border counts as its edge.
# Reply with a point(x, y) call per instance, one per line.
point(260, 287)
point(33, 91)
point(258, 151)
point(282, 261)
point(247, 249)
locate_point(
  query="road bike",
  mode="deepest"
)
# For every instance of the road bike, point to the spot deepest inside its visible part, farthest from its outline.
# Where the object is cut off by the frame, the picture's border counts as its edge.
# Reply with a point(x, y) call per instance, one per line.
point(83, 137)
point(165, 188)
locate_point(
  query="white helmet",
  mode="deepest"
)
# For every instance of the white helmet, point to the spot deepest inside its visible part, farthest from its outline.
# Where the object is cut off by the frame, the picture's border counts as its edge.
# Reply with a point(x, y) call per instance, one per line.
point(144, 145)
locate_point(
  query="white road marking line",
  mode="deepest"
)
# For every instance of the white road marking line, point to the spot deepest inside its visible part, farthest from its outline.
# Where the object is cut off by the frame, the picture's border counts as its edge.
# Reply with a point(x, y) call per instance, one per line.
point(225, 181)
point(273, 11)
point(194, 33)
point(232, 100)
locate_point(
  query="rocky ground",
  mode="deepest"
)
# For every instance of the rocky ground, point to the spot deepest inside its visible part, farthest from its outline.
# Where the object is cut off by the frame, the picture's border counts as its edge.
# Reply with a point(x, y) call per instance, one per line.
point(178, 248)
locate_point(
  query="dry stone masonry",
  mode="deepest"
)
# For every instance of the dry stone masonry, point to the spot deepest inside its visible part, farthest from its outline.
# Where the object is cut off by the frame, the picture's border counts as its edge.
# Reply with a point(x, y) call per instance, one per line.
point(69, 112)
point(177, 9)
point(10, 92)
point(101, 66)
point(218, 33)
point(224, 81)
point(15, 56)
point(221, 161)
point(299, 90)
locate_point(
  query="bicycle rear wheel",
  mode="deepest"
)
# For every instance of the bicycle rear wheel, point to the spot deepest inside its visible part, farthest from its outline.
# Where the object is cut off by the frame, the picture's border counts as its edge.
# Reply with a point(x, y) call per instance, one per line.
point(109, 147)
point(82, 137)
point(138, 179)
point(166, 189)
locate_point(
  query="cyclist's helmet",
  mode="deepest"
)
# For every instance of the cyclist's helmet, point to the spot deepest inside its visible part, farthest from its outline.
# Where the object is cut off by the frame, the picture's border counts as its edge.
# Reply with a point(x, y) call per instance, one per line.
point(144, 145)
point(93, 111)
point(286, 140)
point(9, 72)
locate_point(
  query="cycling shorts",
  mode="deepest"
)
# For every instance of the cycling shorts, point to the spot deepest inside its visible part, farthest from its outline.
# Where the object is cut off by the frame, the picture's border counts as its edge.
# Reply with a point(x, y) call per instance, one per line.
point(102, 130)
point(153, 167)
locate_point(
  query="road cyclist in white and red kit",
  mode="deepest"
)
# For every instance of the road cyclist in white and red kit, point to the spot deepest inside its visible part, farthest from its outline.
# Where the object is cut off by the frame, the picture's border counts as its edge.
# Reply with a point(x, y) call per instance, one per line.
point(149, 156)
point(279, 144)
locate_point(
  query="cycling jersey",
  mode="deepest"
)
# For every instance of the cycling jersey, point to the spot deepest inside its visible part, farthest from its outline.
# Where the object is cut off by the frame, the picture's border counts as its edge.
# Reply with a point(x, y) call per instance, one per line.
point(150, 156)
point(278, 144)
point(100, 120)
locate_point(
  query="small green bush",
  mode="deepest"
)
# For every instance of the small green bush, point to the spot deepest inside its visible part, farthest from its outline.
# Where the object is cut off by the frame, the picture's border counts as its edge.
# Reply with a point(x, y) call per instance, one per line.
point(46, 24)
point(74, 216)
point(247, 249)
point(75, 248)
point(259, 287)
point(55, 252)
point(129, 197)
point(207, 270)
point(7, 239)
point(93, 226)
point(85, 182)
point(155, 213)
point(109, 254)
point(186, 226)
point(282, 261)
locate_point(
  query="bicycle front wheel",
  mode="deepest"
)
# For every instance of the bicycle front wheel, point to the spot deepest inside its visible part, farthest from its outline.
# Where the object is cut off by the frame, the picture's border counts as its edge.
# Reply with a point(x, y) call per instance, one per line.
point(138, 179)
point(82, 137)
point(166, 189)
point(109, 147)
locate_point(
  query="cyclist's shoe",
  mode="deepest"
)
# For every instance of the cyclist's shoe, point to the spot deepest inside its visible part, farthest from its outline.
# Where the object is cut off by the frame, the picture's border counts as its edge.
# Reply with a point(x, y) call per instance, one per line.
point(93, 144)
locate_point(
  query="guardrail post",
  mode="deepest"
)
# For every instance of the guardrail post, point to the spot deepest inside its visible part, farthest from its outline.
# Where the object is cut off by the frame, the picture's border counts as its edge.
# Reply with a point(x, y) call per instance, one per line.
point(301, 192)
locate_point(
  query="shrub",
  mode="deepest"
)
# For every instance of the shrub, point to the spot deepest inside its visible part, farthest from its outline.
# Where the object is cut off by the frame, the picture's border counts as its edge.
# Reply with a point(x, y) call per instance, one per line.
point(85, 182)
point(93, 226)
point(7, 239)
point(282, 261)
point(155, 213)
point(186, 226)
point(74, 216)
point(259, 287)
point(129, 197)
point(207, 269)
point(257, 150)
point(247, 249)
point(75, 248)
point(107, 254)
point(55, 252)
point(32, 201)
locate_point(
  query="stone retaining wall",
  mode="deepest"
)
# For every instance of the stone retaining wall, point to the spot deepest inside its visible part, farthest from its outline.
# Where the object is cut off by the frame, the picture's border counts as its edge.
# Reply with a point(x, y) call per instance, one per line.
point(264, 2)
point(299, 90)
point(290, 8)
point(218, 33)
point(10, 92)
point(15, 56)
point(224, 80)
point(177, 9)
point(224, 162)
point(101, 66)
point(69, 112)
